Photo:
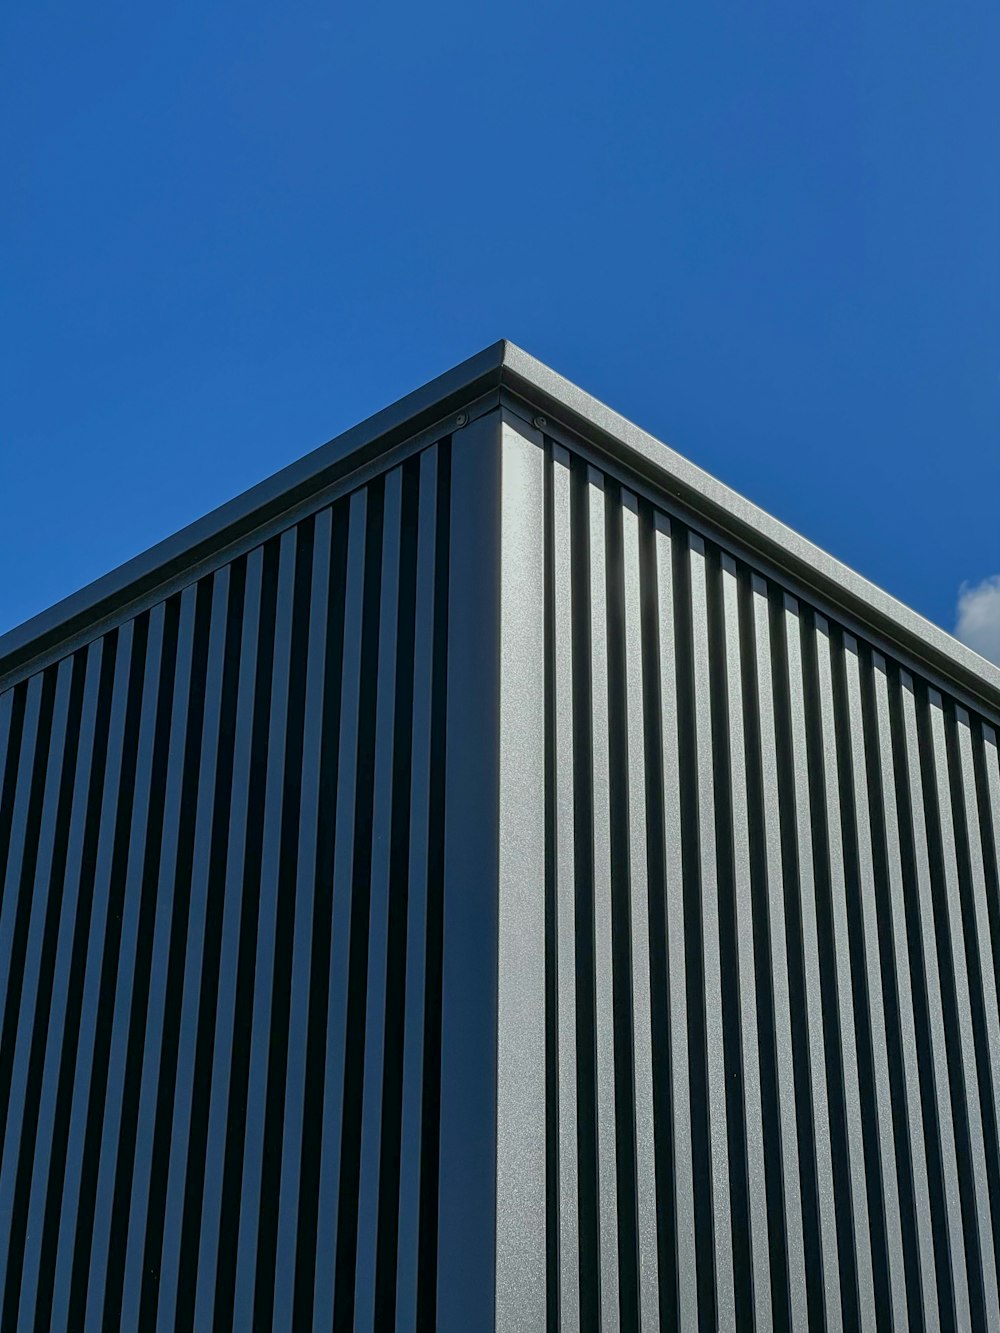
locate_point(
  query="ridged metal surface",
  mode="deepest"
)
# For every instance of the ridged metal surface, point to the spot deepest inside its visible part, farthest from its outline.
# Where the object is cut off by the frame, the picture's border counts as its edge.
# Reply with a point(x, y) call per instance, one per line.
point(220, 941)
point(773, 916)
point(490, 901)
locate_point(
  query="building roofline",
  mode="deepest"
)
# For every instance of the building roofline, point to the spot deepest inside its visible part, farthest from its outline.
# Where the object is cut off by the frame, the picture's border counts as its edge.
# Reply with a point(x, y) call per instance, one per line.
point(111, 594)
point(503, 366)
point(725, 509)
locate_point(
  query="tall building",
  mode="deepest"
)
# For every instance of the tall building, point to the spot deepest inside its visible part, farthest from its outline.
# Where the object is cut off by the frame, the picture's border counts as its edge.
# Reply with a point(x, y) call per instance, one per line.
point(491, 876)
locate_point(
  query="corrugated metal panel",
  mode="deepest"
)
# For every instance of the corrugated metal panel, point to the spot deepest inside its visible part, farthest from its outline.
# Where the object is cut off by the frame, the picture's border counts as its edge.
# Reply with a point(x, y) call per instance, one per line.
point(495, 899)
point(773, 918)
point(220, 952)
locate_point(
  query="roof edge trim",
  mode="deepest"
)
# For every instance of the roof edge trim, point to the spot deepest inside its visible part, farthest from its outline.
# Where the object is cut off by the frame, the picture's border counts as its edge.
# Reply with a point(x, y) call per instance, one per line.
point(66, 619)
point(505, 366)
point(676, 477)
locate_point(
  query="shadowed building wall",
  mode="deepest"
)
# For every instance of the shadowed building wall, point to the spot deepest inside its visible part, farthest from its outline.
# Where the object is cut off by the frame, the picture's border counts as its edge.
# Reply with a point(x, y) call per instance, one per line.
point(490, 876)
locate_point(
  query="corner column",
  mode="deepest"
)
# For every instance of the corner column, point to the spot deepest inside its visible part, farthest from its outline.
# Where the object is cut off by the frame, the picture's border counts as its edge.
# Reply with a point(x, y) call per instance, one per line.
point(491, 1236)
point(520, 1257)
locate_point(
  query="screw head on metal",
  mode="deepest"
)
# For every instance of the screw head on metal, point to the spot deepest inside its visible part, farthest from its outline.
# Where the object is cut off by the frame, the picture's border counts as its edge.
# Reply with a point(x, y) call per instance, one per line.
point(541, 423)
point(461, 419)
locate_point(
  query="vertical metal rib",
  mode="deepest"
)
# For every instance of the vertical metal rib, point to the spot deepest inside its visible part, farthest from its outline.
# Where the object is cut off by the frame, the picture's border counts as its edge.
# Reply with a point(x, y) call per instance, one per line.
point(725, 1294)
point(604, 1001)
point(520, 1253)
point(410, 1175)
point(565, 870)
point(904, 993)
point(58, 1015)
point(92, 984)
point(842, 971)
point(959, 963)
point(775, 888)
point(19, 835)
point(749, 1044)
point(680, 1076)
point(873, 973)
point(333, 1092)
point(987, 974)
point(378, 919)
point(225, 1017)
point(6, 715)
point(305, 890)
point(642, 1034)
point(991, 764)
point(267, 910)
point(992, 761)
point(9, 746)
point(168, 1259)
point(182, 801)
point(935, 1006)
point(822, 1146)
point(165, 888)
point(126, 970)
point(41, 888)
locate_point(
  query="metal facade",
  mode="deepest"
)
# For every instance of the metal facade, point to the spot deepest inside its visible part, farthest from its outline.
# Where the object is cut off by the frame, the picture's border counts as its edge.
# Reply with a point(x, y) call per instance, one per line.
point(491, 877)
point(220, 941)
point(772, 920)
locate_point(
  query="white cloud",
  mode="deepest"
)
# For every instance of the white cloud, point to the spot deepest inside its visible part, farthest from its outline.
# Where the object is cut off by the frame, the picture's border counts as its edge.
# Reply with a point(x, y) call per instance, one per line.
point(978, 617)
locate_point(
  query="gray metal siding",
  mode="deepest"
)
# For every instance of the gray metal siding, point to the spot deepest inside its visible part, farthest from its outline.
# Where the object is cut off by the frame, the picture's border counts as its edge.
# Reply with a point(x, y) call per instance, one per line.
point(494, 899)
point(773, 914)
point(220, 941)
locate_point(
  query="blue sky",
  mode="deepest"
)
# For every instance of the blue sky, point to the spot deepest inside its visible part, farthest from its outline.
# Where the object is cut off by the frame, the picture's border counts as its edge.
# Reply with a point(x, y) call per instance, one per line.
point(768, 233)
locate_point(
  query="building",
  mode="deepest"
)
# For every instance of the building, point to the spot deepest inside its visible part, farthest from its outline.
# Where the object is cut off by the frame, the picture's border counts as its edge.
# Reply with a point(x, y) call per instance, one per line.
point(492, 876)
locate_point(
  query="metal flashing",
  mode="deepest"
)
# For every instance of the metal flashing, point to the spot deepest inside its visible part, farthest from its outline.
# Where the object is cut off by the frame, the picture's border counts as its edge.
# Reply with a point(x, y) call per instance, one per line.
point(501, 371)
point(66, 623)
point(557, 399)
point(470, 883)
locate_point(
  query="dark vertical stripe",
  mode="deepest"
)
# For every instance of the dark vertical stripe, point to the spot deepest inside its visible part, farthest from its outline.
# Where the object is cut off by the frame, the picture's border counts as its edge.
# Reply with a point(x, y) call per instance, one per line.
point(835, 973)
point(287, 908)
point(892, 975)
point(312, 1114)
point(285, 1200)
point(687, 767)
point(556, 1208)
point(377, 979)
point(945, 1190)
point(160, 1053)
point(662, 1053)
point(340, 928)
point(12, 720)
point(621, 889)
point(406, 1218)
point(239, 868)
point(726, 872)
point(19, 1138)
point(15, 913)
point(129, 1027)
point(38, 1289)
point(97, 1015)
point(354, 1054)
point(427, 1267)
point(767, 930)
point(583, 859)
point(856, 853)
point(812, 1124)
point(399, 861)
point(934, 853)
point(976, 925)
point(234, 1109)
point(172, 1232)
